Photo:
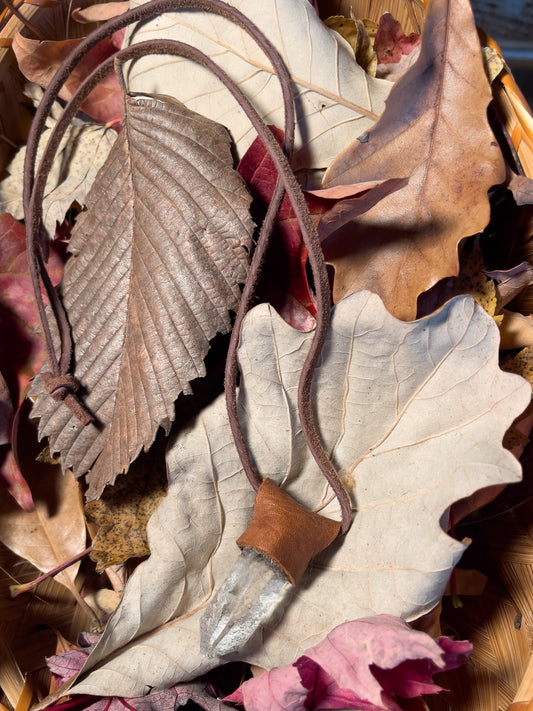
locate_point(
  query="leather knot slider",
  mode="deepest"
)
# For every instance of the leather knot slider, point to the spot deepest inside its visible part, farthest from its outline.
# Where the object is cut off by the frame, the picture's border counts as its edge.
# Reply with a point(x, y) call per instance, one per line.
point(59, 386)
point(286, 532)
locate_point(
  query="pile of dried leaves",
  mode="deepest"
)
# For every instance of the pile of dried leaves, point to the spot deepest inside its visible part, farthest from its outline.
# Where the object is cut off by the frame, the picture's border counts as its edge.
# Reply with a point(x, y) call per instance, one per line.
point(410, 156)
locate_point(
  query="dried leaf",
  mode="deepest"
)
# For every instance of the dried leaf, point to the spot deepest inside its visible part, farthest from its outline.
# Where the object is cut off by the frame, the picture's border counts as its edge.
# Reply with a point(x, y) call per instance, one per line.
point(6, 412)
point(80, 156)
point(39, 60)
point(157, 260)
point(285, 285)
point(412, 415)
point(355, 33)
point(333, 91)
point(200, 691)
point(409, 13)
point(395, 70)
point(360, 664)
point(391, 43)
point(516, 330)
point(123, 510)
point(99, 12)
point(522, 188)
point(435, 132)
point(55, 531)
point(511, 282)
point(21, 347)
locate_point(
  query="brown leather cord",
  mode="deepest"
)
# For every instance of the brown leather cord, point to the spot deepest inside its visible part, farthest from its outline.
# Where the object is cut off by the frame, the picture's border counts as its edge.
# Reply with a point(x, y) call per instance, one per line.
point(61, 381)
point(33, 188)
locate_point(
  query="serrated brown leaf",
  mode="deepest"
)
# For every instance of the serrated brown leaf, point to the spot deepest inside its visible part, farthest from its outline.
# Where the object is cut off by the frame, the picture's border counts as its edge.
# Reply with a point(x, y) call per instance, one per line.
point(434, 131)
point(156, 267)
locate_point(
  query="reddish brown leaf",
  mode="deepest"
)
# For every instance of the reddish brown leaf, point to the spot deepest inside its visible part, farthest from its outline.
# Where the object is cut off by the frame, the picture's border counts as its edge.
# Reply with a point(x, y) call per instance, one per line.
point(99, 12)
point(285, 284)
point(21, 349)
point(434, 131)
point(511, 282)
point(391, 43)
point(13, 481)
point(157, 262)
point(522, 188)
point(38, 61)
point(6, 412)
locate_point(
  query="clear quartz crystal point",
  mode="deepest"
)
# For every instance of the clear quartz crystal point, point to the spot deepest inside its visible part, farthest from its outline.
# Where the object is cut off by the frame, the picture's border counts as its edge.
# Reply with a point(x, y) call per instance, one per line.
point(242, 603)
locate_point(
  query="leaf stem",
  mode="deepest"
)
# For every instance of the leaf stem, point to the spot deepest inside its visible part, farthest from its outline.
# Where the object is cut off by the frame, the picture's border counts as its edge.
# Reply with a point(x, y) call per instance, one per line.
point(16, 590)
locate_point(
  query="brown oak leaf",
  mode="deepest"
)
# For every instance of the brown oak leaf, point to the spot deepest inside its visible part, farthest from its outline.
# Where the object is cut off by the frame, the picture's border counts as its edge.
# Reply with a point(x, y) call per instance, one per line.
point(434, 131)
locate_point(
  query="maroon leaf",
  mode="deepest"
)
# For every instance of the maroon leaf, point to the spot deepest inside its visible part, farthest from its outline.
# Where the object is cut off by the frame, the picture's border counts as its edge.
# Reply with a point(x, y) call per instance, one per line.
point(285, 285)
point(360, 664)
point(39, 60)
point(391, 43)
point(21, 348)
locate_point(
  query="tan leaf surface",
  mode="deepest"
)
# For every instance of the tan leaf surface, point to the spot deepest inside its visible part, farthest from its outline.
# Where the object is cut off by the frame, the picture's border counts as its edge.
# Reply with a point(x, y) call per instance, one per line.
point(434, 131)
point(412, 415)
point(55, 531)
point(80, 156)
point(335, 99)
point(156, 266)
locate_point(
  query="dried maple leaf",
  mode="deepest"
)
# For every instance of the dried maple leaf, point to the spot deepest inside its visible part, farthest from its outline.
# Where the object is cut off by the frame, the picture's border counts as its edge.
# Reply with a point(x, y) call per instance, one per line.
point(156, 267)
point(435, 132)
point(360, 664)
point(411, 414)
point(336, 99)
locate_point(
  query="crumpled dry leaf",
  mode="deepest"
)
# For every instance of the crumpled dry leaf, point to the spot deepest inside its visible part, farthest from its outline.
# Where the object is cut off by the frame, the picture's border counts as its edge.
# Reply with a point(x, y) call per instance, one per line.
point(391, 43)
point(6, 412)
point(39, 60)
point(336, 99)
point(360, 664)
point(435, 132)
point(156, 267)
point(99, 12)
point(21, 347)
point(286, 285)
point(522, 188)
point(80, 156)
point(122, 512)
point(55, 531)
point(412, 415)
point(65, 666)
point(355, 33)
point(409, 13)
point(511, 282)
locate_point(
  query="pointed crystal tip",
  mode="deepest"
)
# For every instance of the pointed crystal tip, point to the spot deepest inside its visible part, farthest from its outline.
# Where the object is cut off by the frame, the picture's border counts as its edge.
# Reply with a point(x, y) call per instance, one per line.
point(241, 604)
